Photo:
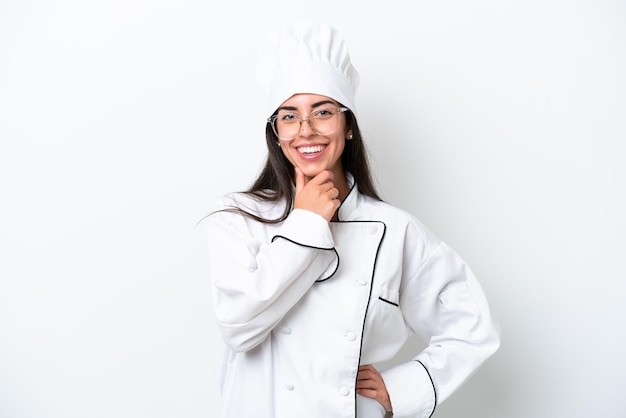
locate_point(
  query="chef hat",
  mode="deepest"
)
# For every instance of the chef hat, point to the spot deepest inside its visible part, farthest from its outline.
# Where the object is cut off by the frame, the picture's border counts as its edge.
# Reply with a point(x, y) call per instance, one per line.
point(306, 58)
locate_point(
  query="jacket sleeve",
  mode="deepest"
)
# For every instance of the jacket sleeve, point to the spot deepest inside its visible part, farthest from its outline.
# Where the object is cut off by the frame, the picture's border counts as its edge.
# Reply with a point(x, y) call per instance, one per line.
point(444, 304)
point(256, 278)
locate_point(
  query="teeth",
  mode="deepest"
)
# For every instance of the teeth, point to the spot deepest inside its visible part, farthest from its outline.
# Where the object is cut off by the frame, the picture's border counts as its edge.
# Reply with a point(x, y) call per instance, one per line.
point(311, 150)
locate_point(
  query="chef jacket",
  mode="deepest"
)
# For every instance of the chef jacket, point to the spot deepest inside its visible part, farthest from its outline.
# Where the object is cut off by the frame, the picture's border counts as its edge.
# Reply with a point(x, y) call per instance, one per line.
point(302, 303)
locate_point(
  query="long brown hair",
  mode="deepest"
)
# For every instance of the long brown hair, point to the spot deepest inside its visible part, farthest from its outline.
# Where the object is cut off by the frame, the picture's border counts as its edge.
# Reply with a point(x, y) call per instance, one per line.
point(276, 180)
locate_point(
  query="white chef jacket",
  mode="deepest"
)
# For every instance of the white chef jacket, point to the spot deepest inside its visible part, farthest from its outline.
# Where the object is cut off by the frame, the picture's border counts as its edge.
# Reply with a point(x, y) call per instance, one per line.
point(301, 304)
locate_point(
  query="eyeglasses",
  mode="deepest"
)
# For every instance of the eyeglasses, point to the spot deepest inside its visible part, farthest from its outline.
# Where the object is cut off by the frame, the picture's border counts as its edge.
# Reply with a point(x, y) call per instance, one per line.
point(287, 124)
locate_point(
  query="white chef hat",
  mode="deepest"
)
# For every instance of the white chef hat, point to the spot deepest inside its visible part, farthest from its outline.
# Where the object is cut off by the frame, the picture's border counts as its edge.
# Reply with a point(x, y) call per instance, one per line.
point(306, 58)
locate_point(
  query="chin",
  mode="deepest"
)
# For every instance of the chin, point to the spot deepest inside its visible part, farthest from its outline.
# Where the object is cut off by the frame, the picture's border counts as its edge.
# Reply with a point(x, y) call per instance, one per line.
point(311, 172)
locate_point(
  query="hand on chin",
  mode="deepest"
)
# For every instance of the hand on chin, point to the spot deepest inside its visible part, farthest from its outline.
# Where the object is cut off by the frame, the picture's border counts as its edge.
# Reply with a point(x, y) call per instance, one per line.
point(310, 172)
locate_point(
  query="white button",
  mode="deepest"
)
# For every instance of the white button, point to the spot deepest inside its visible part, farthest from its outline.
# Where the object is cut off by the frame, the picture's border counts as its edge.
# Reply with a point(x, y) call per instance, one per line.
point(289, 386)
point(350, 336)
point(362, 282)
point(373, 229)
point(344, 390)
point(285, 330)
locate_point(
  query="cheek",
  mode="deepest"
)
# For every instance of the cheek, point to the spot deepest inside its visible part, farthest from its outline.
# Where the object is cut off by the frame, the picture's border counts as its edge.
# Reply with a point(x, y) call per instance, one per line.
point(285, 151)
point(341, 145)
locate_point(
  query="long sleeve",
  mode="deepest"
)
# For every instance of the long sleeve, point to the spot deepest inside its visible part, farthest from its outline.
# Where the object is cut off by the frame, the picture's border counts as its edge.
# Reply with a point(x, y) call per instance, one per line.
point(260, 271)
point(444, 304)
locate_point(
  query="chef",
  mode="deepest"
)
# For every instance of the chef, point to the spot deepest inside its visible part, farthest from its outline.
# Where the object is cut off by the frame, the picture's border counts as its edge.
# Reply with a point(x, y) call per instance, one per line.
point(316, 281)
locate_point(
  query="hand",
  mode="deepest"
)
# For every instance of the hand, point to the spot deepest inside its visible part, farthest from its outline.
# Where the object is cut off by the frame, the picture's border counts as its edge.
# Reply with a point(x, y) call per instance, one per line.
point(369, 383)
point(318, 195)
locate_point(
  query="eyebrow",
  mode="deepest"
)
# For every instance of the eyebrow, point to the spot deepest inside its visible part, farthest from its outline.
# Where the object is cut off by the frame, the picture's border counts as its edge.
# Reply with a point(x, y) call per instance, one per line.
point(314, 105)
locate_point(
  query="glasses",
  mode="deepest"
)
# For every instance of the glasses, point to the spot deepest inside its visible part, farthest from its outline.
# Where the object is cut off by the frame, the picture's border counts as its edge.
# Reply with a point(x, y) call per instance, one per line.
point(287, 125)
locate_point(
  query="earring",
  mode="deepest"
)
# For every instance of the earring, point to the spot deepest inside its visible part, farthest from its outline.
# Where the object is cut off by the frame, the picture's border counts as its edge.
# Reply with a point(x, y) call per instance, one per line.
point(350, 137)
point(278, 143)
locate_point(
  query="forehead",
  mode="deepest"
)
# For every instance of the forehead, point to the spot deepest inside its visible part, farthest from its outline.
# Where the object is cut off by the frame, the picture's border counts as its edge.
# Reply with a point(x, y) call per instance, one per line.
point(305, 101)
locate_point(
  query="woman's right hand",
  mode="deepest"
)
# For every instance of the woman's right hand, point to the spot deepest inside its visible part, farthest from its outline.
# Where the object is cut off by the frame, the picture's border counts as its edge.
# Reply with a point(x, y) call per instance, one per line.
point(318, 194)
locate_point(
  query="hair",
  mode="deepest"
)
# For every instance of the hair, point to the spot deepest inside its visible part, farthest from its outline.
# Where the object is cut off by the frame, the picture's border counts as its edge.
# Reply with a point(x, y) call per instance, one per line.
point(276, 180)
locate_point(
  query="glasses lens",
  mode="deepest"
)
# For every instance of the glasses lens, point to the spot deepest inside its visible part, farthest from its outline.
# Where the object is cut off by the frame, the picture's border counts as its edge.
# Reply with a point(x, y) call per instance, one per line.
point(324, 121)
point(287, 124)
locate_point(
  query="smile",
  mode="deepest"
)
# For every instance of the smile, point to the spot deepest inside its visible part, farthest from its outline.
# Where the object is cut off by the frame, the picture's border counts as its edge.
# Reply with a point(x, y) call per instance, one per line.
point(311, 150)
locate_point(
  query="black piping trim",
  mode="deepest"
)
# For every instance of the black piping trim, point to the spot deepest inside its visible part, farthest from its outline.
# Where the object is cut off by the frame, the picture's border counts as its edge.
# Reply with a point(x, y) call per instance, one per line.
point(334, 271)
point(432, 383)
point(315, 248)
point(388, 301)
point(297, 243)
point(341, 204)
point(369, 298)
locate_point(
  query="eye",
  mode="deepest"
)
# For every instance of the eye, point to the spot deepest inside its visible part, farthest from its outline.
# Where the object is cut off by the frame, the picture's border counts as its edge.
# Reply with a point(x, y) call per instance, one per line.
point(287, 117)
point(324, 113)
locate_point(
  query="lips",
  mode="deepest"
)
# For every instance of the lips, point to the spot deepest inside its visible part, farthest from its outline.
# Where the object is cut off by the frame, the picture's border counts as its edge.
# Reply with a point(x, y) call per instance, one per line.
point(314, 149)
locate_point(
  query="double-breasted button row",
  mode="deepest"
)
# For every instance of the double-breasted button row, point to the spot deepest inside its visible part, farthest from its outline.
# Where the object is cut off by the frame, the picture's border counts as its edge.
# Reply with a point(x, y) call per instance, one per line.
point(343, 390)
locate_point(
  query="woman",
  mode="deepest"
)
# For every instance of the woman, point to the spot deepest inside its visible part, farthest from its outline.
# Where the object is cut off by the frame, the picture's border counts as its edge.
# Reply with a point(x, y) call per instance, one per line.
point(315, 279)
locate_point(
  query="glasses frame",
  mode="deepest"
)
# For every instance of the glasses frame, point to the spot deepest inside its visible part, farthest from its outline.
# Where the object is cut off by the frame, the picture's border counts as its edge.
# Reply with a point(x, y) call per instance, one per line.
point(272, 121)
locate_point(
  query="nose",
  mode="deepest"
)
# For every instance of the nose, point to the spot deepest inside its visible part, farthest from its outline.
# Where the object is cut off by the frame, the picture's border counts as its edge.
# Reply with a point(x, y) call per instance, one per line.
point(306, 128)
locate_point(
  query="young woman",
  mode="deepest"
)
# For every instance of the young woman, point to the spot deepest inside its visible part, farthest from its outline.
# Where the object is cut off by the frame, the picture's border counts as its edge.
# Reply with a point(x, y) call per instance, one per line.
point(315, 279)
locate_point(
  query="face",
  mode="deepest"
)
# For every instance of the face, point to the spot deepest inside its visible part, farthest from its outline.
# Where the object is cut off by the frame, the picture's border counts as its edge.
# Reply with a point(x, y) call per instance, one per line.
point(309, 151)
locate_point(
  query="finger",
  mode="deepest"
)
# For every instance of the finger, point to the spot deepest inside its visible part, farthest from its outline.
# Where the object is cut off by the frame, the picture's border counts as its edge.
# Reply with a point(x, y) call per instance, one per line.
point(367, 385)
point(329, 188)
point(365, 375)
point(370, 384)
point(368, 393)
point(299, 180)
point(367, 372)
point(324, 176)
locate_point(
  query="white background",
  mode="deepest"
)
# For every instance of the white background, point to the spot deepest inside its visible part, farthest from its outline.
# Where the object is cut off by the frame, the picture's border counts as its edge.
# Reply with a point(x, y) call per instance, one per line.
point(501, 125)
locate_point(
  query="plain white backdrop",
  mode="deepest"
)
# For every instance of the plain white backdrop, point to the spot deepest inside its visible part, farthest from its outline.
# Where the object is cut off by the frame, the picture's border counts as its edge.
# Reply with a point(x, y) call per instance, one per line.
point(501, 125)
